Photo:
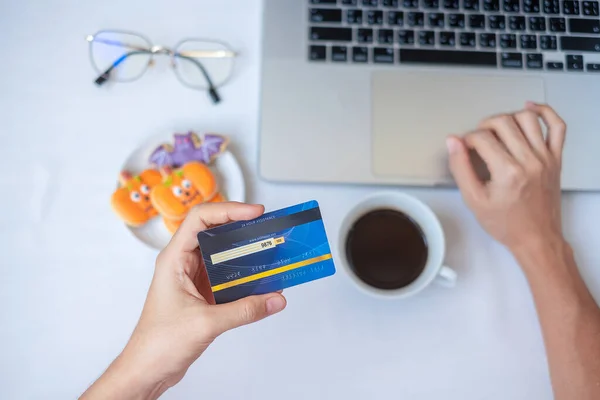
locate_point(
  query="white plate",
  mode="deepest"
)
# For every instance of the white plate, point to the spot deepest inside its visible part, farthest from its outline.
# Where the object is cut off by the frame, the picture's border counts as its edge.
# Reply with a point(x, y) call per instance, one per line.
point(226, 169)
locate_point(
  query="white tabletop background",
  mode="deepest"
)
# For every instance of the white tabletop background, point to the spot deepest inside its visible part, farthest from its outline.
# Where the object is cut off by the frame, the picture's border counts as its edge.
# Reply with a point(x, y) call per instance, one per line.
point(73, 279)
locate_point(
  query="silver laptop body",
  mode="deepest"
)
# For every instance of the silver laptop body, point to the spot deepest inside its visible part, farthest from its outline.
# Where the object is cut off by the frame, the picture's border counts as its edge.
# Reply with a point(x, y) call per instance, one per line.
point(338, 105)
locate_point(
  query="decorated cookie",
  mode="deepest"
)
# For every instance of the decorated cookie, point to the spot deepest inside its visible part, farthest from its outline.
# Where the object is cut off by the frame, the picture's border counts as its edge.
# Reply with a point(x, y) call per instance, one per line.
point(131, 201)
point(184, 188)
point(173, 225)
point(188, 147)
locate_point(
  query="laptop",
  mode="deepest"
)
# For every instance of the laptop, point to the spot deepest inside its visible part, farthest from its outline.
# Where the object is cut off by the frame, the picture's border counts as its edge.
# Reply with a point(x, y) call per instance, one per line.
point(366, 91)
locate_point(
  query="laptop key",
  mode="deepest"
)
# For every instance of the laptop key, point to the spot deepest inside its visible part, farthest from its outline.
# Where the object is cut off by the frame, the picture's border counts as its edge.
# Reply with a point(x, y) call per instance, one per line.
point(570, 8)
point(558, 24)
point(496, 22)
point(555, 66)
point(323, 1)
point(385, 36)
point(511, 6)
point(447, 39)
point(508, 41)
point(456, 20)
point(579, 43)
point(537, 24)
point(450, 4)
point(427, 38)
point(383, 55)
point(511, 60)
point(477, 21)
point(416, 19)
point(548, 42)
point(551, 6)
point(581, 25)
point(331, 34)
point(364, 35)
point(471, 5)
point(406, 36)
point(574, 63)
point(339, 53)
point(528, 42)
point(534, 61)
point(516, 23)
point(325, 15)
point(410, 3)
point(491, 5)
point(395, 18)
point(354, 17)
point(370, 3)
point(317, 53)
point(487, 40)
point(593, 67)
point(467, 39)
point(360, 54)
point(590, 8)
point(350, 2)
point(390, 3)
point(436, 20)
point(431, 4)
point(375, 17)
point(531, 6)
point(448, 57)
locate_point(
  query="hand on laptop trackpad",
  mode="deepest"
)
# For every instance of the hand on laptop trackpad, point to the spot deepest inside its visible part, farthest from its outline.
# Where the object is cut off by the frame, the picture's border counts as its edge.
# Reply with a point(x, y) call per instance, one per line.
point(412, 113)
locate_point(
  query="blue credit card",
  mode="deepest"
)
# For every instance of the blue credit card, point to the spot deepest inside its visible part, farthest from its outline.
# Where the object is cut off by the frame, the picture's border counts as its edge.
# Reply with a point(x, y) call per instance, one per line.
point(275, 251)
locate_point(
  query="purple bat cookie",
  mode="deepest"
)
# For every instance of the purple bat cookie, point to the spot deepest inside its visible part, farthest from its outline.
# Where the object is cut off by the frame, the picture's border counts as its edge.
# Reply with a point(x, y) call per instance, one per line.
point(188, 147)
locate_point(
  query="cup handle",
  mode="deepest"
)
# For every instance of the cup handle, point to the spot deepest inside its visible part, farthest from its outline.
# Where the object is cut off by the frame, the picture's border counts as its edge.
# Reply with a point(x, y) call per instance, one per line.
point(446, 277)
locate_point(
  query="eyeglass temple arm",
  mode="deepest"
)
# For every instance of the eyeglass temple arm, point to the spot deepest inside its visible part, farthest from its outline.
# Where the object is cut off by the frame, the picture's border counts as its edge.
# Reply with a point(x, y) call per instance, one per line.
point(119, 44)
point(212, 90)
point(106, 74)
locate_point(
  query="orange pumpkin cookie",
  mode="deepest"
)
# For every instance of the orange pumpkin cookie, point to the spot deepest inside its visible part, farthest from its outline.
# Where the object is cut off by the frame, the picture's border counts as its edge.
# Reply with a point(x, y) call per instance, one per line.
point(184, 188)
point(131, 201)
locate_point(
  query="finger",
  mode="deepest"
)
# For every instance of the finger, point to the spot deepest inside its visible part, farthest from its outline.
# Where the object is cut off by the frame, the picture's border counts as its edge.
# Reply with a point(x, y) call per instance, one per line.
point(489, 148)
point(206, 215)
point(509, 133)
point(246, 311)
point(529, 123)
point(557, 128)
point(462, 169)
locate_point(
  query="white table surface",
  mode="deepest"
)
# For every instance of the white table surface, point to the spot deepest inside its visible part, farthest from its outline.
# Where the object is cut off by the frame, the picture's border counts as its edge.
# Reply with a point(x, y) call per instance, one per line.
point(73, 279)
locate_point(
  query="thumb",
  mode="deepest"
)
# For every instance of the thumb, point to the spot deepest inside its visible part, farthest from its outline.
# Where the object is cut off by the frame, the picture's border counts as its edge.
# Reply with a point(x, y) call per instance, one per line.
point(247, 310)
point(462, 169)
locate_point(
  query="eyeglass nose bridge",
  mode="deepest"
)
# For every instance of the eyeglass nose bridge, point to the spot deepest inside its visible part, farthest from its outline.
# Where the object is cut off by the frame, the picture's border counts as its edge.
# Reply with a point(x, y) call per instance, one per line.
point(161, 50)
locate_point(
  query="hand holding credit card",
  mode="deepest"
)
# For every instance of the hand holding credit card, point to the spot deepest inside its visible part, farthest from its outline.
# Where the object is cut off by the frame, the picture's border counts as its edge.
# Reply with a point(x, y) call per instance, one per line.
point(275, 251)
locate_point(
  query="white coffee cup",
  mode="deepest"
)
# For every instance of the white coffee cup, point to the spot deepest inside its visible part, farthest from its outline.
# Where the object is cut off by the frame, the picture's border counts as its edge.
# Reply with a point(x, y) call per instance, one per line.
point(434, 269)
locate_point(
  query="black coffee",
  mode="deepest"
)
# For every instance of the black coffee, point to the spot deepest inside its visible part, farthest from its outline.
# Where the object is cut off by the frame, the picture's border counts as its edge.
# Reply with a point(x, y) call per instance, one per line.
point(386, 249)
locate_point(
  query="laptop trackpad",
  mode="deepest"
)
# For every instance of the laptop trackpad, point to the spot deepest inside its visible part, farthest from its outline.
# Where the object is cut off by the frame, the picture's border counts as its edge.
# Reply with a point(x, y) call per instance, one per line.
point(412, 113)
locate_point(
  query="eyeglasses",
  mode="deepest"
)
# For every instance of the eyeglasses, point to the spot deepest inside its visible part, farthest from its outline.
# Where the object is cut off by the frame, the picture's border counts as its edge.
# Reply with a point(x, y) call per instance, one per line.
point(125, 56)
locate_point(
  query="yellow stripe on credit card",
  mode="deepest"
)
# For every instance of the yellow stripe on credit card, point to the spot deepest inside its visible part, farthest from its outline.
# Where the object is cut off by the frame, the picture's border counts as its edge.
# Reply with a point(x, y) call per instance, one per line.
point(271, 272)
point(251, 248)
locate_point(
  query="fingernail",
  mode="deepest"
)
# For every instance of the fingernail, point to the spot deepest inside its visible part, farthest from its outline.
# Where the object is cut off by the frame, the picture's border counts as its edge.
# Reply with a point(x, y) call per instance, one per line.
point(529, 104)
point(453, 145)
point(275, 304)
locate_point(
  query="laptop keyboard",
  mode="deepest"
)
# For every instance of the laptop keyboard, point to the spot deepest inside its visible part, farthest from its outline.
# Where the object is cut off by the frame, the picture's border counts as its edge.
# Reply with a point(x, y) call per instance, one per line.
point(551, 35)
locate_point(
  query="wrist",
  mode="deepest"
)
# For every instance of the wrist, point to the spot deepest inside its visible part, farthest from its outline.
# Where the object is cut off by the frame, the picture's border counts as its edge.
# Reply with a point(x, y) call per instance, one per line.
point(539, 246)
point(134, 378)
point(152, 363)
point(125, 379)
point(543, 254)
